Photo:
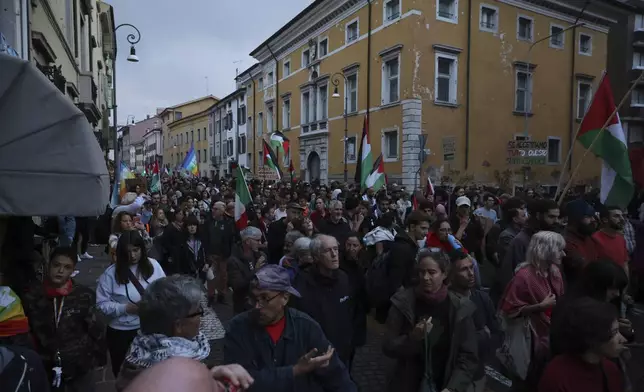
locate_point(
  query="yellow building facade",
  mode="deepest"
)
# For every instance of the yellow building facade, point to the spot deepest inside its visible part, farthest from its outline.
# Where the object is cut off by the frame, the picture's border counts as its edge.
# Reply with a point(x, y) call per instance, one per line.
point(461, 74)
point(186, 125)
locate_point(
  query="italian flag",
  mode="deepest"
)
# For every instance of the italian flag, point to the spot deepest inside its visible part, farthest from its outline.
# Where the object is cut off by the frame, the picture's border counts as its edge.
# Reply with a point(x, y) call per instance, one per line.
point(377, 178)
point(616, 181)
point(242, 199)
point(270, 160)
point(364, 169)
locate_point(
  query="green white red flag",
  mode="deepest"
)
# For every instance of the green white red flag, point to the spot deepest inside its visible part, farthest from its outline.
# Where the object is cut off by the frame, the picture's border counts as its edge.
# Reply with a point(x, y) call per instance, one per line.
point(365, 166)
point(270, 160)
point(377, 178)
point(242, 199)
point(617, 180)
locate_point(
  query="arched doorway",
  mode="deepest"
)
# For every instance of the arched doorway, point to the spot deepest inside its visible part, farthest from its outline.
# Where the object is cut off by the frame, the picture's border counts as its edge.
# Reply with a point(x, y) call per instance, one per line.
point(313, 166)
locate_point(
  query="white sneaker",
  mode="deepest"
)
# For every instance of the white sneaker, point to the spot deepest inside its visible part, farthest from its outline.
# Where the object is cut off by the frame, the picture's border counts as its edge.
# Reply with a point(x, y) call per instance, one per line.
point(78, 258)
point(86, 256)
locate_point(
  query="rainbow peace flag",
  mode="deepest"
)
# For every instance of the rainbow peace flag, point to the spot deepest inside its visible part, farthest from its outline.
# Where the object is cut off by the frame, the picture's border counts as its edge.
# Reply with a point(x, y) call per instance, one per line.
point(120, 189)
point(190, 162)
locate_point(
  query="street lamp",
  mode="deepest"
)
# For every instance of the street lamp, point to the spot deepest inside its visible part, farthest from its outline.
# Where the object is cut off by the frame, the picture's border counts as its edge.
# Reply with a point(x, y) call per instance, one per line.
point(336, 81)
point(529, 74)
point(133, 39)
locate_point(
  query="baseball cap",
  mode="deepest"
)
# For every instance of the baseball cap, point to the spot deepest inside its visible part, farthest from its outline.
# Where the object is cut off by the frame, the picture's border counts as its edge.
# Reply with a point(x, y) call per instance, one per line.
point(463, 201)
point(275, 278)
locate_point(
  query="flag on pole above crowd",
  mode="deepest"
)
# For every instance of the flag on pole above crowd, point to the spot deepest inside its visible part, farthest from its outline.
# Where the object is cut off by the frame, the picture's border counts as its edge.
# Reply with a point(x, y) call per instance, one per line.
point(190, 162)
point(291, 169)
point(616, 180)
point(242, 199)
point(279, 142)
point(377, 178)
point(430, 186)
point(270, 160)
point(155, 182)
point(364, 168)
point(119, 190)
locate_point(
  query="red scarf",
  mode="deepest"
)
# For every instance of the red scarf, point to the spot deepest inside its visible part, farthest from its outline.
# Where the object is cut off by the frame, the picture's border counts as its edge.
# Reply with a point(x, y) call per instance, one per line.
point(62, 291)
point(437, 297)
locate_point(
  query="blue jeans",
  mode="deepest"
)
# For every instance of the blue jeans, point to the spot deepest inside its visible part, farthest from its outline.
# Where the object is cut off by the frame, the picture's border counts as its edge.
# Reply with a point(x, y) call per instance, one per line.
point(66, 229)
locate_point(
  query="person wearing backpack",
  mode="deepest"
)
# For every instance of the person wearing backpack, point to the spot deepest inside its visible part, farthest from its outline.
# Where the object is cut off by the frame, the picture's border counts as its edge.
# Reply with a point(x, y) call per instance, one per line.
point(394, 268)
point(22, 370)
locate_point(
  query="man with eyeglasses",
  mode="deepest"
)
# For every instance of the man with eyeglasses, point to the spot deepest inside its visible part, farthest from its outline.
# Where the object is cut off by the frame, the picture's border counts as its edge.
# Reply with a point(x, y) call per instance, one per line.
point(283, 349)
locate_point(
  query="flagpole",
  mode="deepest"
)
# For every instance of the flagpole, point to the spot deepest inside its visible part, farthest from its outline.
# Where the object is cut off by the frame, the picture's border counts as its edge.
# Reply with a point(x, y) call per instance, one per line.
point(608, 120)
point(574, 139)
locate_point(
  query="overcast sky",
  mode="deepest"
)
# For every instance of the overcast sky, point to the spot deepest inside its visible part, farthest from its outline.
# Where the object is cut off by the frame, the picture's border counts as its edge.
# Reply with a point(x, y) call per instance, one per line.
point(182, 43)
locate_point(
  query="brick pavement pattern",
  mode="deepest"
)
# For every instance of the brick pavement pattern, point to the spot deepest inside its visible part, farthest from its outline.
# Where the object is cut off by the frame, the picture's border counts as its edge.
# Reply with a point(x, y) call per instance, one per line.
point(369, 368)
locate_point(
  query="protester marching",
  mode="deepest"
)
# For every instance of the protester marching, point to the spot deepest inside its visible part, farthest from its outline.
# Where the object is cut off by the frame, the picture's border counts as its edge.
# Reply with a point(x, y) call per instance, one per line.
point(471, 288)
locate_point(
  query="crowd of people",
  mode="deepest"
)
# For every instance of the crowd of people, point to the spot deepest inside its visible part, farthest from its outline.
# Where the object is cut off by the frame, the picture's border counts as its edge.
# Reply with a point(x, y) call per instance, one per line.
point(458, 281)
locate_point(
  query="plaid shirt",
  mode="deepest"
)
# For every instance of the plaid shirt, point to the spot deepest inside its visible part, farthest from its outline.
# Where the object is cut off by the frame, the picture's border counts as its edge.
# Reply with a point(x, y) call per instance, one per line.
point(629, 236)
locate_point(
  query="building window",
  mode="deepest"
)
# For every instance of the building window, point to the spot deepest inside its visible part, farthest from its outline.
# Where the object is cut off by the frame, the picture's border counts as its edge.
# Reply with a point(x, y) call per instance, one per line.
point(306, 58)
point(286, 114)
point(390, 80)
point(306, 110)
point(231, 147)
point(204, 155)
point(192, 136)
point(554, 150)
point(446, 78)
point(447, 10)
point(286, 68)
point(323, 109)
point(261, 83)
point(523, 96)
point(637, 97)
point(323, 47)
point(638, 60)
point(178, 116)
point(351, 89)
point(351, 149)
point(639, 23)
point(584, 96)
point(524, 28)
point(269, 79)
point(585, 44)
point(269, 119)
point(210, 129)
point(489, 18)
point(557, 37)
point(198, 134)
point(392, 9)
point(198, 155)
point(260, 159)
point(217, 127)
point(390, 145)
point(352, 31)
point(634, 133)
point(260, 124)
point(241, 115)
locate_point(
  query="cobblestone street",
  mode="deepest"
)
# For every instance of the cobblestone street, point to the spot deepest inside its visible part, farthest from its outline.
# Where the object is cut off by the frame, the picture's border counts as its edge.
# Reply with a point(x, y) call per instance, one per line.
point(369, 368)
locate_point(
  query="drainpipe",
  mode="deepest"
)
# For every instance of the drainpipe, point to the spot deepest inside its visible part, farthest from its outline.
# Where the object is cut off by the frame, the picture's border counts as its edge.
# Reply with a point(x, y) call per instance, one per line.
point(276, 115)
point(573, 105)
point(254, 123)
point(368, 67)
point(467, 82)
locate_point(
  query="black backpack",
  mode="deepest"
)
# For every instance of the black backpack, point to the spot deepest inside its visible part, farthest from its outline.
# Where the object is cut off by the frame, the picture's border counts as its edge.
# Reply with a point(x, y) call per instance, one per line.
point(21, 370)
point(377, 283)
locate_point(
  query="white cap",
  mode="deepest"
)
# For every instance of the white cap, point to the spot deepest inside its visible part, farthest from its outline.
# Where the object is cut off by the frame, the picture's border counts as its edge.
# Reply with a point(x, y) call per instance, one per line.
point(463, 201)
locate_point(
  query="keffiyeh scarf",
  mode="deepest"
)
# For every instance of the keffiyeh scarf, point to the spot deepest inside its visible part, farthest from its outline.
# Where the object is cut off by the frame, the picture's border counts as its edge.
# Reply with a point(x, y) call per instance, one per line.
point(148, 350)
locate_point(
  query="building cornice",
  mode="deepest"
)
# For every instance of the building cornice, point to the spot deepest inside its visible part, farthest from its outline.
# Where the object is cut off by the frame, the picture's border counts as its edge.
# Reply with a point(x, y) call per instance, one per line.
point(557, 10)
point(203, 113)
point(303, 26)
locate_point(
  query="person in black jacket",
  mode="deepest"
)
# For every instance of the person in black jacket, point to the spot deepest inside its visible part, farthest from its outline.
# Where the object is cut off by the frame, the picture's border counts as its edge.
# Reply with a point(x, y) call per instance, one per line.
point(283, 349)
point(336, 225)
point(327, 296)
point(220, 238)
point(278, 231)
point(353, 264)
point(191, 254)
point(488, 330)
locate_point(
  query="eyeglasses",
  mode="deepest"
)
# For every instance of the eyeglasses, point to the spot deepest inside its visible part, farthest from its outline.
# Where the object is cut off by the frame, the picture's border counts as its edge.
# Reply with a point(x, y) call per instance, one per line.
point(199, 313)
point(262, 302)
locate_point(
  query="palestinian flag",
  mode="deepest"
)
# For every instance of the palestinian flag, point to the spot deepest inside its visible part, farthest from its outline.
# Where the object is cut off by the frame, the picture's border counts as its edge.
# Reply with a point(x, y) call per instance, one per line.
point(279, 142)
point(364, 168)
point(377, 178)
point(270, 160)
point(242, 199)
point(155, 182)
point(617, 180)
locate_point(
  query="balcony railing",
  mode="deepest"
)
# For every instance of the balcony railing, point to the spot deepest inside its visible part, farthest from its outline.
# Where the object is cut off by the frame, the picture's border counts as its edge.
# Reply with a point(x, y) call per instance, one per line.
point(55, 75)
point(488, 25)
point(447, 14)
